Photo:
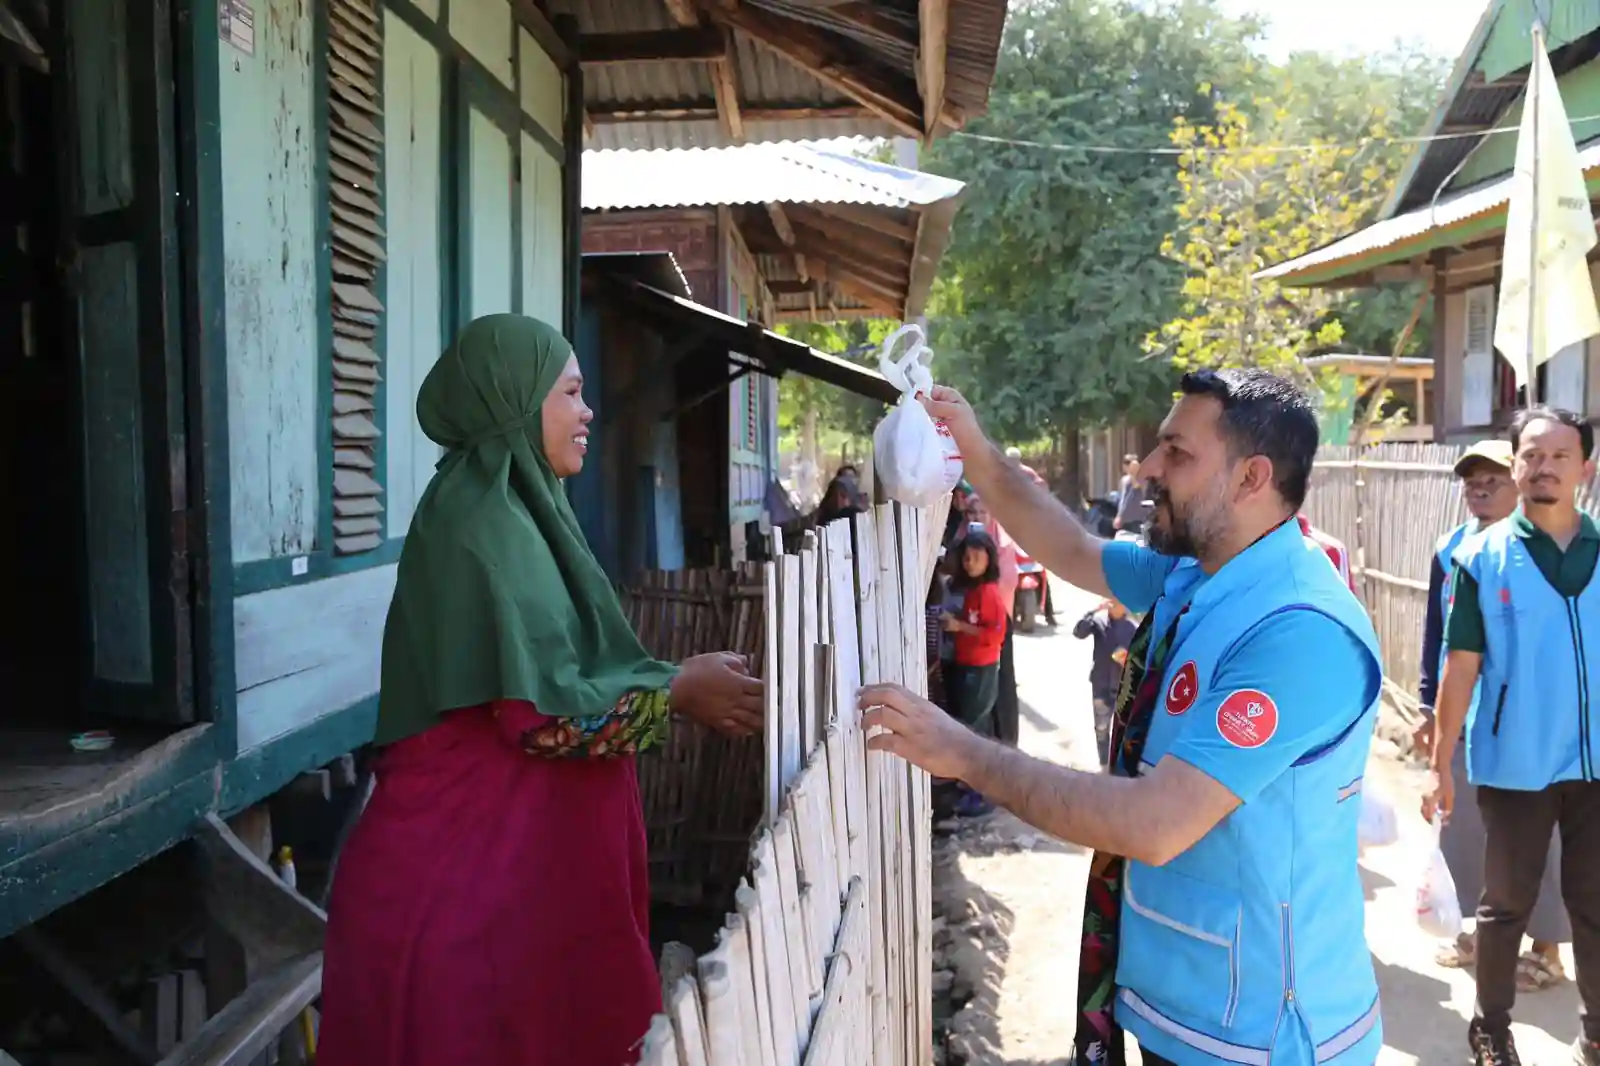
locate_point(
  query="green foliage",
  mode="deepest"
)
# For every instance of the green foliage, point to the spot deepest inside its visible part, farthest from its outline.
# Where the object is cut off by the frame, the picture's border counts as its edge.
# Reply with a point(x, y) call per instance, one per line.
point(1056, 279)
point(840, 417)
point(1054, 276)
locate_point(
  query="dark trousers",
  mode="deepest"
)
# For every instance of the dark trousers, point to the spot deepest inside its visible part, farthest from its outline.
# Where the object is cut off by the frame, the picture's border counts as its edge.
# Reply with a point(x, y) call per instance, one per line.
point(1007, 708)
point(1517, 828)
point(1150, 1058)
point(972, 691)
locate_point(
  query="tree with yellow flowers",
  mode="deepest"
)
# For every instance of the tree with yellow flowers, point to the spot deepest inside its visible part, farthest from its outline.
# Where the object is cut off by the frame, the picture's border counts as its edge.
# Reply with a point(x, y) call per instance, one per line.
point(1255, 189)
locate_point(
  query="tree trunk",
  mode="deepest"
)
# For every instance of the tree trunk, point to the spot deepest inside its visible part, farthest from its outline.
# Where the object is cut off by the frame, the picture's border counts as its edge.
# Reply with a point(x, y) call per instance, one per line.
point(1070, 488)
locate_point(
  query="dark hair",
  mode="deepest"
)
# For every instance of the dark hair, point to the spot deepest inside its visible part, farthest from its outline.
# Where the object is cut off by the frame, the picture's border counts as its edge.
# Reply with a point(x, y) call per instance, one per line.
point(1558, 415)
point(1263, 414)
point(974, 539)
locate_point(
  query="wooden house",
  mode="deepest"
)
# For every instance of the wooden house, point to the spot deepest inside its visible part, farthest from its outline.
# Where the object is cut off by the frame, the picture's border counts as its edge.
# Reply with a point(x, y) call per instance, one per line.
point(763, 234)
point(1444, 223)
point(237, 234)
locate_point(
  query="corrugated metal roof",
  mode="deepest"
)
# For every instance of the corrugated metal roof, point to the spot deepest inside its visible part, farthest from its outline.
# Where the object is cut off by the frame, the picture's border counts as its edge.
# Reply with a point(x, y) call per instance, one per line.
point(1393, 231)
point(752, 174)
point(768, 81)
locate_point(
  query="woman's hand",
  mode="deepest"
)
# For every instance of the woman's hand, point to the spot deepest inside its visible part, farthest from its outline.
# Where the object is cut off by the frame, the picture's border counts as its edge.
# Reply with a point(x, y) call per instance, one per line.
point(951, 623)
point(717, 691)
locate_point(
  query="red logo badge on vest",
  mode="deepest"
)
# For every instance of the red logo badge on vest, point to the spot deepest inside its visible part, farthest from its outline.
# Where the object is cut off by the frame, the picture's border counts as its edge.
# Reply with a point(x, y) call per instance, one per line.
point(1247, 718)
point(1183, 689)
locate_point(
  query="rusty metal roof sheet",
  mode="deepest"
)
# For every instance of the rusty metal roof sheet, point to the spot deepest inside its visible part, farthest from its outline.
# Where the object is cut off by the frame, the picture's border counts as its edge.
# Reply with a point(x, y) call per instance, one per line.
point(752, 174)
point(770, 82)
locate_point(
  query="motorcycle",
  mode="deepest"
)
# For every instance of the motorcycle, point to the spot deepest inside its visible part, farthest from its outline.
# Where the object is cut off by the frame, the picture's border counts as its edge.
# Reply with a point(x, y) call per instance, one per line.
point(1033, 590)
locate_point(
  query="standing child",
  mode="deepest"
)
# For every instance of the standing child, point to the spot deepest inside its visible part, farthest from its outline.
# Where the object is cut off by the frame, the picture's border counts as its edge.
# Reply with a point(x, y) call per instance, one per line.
point(1112, 631)
point(973, 682)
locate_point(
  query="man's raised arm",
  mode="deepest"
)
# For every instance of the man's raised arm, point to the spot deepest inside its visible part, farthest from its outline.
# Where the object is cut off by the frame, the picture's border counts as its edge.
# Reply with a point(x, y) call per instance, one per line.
point(1038, 521)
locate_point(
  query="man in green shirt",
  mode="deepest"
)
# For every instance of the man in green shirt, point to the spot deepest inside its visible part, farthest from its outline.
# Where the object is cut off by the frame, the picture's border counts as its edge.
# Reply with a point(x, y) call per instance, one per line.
point(1525, 616)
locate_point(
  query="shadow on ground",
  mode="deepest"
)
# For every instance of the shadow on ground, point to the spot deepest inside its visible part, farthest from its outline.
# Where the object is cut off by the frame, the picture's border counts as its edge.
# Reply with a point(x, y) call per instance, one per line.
point(972, 940)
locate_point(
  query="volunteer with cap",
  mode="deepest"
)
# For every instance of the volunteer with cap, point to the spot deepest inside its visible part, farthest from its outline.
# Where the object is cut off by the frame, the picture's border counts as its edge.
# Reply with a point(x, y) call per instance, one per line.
point(1525, 619)
point(1224, 888)
point(1490, 495)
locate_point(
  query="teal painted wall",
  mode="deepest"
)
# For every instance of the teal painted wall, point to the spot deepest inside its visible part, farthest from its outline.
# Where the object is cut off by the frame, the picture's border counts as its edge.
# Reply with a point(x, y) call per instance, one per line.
point(491, 234)
point(412, 101)
point(1580, 93)
point(485, 29)
point(268, 139)
point(542, 246)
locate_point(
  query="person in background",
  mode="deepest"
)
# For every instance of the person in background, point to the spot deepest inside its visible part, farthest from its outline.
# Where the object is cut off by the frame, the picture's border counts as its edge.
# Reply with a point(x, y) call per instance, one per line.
point(1523, 617)
point(955, 522)
point(935, 608)
point(1112, 630)
point(841, 500)
point(851, 474)
point(1332, 546)
point(1131, 499)
point(1008, 708)
point(1490, 495)
point(1014, 456)
point(979, 628)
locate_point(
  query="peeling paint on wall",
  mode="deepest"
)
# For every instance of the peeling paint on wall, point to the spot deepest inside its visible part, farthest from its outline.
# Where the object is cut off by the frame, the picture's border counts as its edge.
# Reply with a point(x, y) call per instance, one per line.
point(271, 282)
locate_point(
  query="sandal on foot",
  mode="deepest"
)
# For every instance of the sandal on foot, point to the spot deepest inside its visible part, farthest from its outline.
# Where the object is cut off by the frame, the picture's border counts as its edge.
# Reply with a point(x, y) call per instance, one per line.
point(1457, 956)
point(1535, 973)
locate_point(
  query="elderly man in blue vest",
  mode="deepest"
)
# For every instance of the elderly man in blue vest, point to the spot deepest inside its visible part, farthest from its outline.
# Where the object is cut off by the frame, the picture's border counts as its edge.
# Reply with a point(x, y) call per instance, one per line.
point(1225, 908)
point(1525, 622)
point(1490, 495)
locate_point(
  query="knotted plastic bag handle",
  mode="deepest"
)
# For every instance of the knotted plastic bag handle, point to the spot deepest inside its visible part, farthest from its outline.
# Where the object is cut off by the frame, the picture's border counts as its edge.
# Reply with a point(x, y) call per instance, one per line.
point(909, 373)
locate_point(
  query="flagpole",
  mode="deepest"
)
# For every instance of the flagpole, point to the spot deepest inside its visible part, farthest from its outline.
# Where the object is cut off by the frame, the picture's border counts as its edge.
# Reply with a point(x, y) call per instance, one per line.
point(1531, 386)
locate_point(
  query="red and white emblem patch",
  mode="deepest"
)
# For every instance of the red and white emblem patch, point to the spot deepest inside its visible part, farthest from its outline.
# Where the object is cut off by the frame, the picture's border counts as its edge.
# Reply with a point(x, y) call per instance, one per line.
point(1183, 688)
point(1247, 718)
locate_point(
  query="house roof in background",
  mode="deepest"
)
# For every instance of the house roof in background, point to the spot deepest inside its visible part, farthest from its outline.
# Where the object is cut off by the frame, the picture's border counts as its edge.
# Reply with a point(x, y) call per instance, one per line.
point(1452, 222)
point(834, 236)
point(752, 174)
point(1488, 78)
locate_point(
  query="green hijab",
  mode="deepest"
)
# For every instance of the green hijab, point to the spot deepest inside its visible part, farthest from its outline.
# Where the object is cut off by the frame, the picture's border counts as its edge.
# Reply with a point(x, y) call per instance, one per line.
point(498, 595)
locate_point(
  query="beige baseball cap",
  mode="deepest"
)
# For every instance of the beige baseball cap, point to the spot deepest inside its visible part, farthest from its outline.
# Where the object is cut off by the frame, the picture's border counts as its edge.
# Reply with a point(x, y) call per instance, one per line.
point(1497, 452)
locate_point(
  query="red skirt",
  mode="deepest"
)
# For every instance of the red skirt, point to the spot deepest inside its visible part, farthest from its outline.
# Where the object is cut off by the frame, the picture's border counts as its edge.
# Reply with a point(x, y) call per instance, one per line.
point(491, 908)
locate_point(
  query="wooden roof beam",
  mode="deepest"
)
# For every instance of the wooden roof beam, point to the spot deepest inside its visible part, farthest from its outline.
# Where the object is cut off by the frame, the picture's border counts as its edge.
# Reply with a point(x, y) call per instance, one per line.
point(780, 224)
point(816, 52)
point(725, 86)
point(854, 237)
point(933, 21)
point(706, 111)
point(874, 218)
point(681, 11)
point(689, 44)
point(868, 16)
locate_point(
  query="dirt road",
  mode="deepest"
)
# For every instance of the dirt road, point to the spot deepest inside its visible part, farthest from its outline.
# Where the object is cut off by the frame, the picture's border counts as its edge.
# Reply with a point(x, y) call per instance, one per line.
point(1012, 903)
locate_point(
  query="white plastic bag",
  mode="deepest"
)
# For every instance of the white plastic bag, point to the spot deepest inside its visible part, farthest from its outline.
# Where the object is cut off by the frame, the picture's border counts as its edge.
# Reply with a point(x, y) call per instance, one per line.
point(1378, 826)
point(1438, 910)
point(915, 454)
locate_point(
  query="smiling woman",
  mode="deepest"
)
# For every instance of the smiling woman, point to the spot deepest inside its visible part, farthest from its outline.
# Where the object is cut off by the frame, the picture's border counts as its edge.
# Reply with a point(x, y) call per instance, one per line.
point(492, 903)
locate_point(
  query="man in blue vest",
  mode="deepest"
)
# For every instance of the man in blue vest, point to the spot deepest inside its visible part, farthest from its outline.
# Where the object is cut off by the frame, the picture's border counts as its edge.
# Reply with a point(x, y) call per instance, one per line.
point(1525, 621)
point(1490, 495)
point(1225, 905)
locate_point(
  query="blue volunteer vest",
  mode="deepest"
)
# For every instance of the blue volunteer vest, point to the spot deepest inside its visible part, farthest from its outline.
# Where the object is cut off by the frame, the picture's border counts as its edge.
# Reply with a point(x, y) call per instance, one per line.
point(1248, 947)
point(1445, 551)
point(1534, 725)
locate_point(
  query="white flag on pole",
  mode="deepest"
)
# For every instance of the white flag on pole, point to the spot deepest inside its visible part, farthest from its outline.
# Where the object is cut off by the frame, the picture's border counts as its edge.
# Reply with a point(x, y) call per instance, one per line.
point(1546, 303)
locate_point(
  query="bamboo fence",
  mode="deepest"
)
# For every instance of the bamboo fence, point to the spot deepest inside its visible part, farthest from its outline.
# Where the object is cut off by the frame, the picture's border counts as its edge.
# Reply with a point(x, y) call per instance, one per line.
point(1390, 504)
point(826, 958)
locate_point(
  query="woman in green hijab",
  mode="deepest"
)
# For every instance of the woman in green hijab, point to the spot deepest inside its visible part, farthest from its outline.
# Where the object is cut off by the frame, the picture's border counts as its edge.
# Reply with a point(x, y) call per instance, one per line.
point(492, 905)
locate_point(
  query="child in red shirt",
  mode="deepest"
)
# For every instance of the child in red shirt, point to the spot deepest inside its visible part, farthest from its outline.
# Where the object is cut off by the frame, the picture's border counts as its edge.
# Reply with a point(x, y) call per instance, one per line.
point(973, 682)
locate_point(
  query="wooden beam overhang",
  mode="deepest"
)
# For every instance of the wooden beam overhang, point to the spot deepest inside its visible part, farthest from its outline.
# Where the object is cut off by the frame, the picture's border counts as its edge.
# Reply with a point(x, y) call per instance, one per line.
point(933, 22)
point(685, 44)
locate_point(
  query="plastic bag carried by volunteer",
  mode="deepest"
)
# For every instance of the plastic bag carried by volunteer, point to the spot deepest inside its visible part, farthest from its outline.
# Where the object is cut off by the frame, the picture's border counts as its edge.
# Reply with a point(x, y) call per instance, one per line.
point(915, 455)
point(1438, 910)
point(1378, 826)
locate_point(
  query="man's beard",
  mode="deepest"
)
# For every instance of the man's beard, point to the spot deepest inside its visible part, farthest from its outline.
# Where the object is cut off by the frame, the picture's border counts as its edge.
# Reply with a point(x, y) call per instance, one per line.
point(1191, 529)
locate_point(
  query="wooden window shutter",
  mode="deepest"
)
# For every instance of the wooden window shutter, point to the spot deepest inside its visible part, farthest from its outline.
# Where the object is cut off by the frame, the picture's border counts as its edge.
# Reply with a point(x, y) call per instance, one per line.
point(355, 153)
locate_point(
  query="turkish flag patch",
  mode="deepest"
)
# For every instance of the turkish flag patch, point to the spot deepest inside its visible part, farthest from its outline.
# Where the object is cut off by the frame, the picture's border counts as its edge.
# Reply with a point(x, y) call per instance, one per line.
point(1183, 688)
point(1247, 718)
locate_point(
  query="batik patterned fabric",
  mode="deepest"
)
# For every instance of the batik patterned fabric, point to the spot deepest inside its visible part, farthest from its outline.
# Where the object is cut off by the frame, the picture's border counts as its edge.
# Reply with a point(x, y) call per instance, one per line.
point(1099, 1040)
point(639, 720)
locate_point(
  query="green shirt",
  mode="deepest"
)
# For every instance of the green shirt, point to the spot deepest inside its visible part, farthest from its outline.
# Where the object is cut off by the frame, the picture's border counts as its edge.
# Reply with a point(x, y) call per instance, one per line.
point(1567, 571)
